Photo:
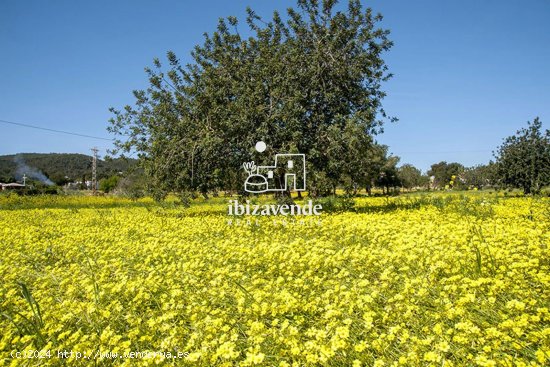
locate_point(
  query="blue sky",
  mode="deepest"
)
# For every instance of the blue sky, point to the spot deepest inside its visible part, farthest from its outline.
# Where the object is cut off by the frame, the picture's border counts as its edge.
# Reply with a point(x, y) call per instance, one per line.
point(467, 73)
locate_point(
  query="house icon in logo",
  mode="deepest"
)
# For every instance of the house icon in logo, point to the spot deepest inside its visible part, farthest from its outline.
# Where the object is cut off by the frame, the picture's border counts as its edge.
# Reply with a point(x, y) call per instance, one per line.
point(291, 167)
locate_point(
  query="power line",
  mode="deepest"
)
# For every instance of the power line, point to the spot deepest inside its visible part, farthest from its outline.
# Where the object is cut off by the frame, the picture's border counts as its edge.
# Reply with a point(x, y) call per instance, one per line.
point(53, 130)
point(107, 139)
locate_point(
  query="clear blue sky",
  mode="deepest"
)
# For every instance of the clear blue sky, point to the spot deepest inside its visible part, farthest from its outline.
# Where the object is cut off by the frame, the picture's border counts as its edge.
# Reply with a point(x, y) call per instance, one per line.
point(467, 73)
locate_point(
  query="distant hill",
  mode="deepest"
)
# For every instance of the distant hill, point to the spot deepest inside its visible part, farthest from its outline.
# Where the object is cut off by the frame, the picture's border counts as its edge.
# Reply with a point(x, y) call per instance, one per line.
point(58, 168)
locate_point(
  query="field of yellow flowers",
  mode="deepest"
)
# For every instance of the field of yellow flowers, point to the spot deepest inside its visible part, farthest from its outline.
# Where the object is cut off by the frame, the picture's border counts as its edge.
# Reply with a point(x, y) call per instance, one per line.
point(440, 280)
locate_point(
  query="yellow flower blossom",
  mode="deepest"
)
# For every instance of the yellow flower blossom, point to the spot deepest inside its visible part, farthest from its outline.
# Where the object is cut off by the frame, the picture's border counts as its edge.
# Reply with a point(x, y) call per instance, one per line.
point(448, 279)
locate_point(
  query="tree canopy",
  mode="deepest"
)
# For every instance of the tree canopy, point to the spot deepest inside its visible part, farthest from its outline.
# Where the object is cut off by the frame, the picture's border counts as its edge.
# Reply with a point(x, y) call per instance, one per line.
point(443, 173)
point(303, 84)
point(409, 176)
point(523, 160)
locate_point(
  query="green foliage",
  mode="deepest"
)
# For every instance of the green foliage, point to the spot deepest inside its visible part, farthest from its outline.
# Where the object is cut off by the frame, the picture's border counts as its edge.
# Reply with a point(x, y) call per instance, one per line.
point(109, 184)
point(133, 185)
point(334, 204)
point(309, 84)
point(480, 176)
point(409, 176)
point(38, 189)
point(523, 160)
point(284, 200)
point(59, 167)
point(443, 173)
point(319, 184)
point(28, 325)
point(389, 177)
point(184, 199)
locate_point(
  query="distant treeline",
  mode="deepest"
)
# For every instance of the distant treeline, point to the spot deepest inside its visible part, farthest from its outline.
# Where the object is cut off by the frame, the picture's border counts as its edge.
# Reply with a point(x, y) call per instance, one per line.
point(58, 168)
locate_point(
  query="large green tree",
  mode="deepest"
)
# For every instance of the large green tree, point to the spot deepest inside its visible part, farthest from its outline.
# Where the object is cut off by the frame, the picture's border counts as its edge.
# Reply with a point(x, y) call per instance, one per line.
point(523, 160)
point(444, 172)
point(410, 176)
point(294, 83)
point(481, 175)
point(389, 176)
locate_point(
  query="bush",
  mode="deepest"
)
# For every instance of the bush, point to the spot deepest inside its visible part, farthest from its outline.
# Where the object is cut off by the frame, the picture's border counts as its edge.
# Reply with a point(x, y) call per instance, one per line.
point(185, 198)
point(132, 186)
point(284, 200)
point(334, 204)
point(108, 184)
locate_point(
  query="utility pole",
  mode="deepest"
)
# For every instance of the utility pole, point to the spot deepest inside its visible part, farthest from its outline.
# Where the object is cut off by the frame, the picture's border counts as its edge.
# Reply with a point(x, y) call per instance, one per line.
point(94, 170)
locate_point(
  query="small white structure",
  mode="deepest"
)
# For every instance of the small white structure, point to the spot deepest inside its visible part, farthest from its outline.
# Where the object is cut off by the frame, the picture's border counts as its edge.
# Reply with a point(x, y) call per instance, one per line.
point(87, 185)
point(12, 186)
